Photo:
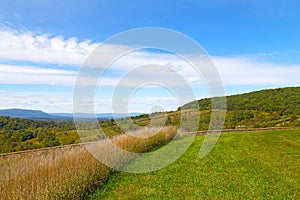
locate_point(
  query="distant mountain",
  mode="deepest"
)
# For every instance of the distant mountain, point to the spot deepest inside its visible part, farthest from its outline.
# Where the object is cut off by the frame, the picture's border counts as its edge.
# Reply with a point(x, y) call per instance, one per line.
point(38, 114)
point(27, 114)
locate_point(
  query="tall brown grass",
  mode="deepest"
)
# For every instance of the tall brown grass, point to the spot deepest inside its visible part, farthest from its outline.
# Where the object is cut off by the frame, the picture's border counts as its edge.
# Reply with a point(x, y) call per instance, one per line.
point(70, 172)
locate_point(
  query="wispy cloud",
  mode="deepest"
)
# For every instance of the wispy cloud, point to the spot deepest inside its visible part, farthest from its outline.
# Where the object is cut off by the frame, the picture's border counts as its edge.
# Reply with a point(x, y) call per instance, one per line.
point(12, 74)
point(245, 71)
point(233, 71)
point(23, 45)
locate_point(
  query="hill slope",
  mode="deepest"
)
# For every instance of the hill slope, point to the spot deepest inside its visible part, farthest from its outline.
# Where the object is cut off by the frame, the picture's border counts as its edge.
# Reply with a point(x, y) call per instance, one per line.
point(281, 100)
point(265, 108)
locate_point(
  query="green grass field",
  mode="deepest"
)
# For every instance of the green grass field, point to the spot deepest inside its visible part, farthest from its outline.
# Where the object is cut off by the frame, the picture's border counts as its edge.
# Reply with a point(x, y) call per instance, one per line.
point(246, 165)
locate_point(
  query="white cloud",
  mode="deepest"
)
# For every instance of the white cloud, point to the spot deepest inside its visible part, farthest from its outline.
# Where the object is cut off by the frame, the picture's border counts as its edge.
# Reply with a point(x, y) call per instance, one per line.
point(12, 74)
point(33, 70)
point(245, 71)
point(233, 71)
point(27, 46)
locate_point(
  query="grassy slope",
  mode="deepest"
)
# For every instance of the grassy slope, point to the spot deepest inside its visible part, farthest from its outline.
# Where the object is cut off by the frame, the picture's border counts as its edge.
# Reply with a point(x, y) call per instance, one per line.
point(247, 165)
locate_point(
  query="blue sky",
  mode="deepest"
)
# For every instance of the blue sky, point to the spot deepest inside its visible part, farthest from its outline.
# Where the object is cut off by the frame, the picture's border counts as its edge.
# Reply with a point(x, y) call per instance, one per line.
point(254, 45)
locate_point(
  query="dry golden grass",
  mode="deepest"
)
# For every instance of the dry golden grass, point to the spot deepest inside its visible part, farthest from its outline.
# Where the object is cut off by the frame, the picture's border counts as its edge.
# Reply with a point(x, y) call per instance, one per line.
point(70, 172)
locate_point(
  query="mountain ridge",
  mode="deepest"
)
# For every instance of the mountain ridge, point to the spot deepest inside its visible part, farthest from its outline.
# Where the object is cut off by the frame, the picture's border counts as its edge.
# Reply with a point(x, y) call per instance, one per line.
point(24, 113)
point(39, 114)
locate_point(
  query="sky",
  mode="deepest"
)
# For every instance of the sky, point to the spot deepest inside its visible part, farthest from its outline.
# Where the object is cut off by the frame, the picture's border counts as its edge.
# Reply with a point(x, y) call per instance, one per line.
point(43, 44)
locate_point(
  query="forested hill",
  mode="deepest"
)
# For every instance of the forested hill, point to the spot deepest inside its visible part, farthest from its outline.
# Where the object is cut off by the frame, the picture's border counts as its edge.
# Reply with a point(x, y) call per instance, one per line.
point(264, 108)
point(282, 101)
point(22, 134)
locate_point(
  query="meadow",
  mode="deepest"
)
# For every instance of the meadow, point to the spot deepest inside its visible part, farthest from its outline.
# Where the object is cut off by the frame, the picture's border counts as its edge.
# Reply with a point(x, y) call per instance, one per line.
point(69, 172)
point(242, 165)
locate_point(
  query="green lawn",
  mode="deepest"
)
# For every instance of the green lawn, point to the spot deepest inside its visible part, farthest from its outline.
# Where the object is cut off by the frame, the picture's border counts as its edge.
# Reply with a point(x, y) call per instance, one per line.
point(246, 165)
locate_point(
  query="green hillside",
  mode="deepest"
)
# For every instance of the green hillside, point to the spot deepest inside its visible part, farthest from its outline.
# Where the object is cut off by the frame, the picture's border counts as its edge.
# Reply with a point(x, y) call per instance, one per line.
point(282, 101)
point(265, 108)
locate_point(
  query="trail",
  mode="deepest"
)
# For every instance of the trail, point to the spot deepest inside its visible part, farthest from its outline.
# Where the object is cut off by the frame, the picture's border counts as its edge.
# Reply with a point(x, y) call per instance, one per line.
point(188, 133)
